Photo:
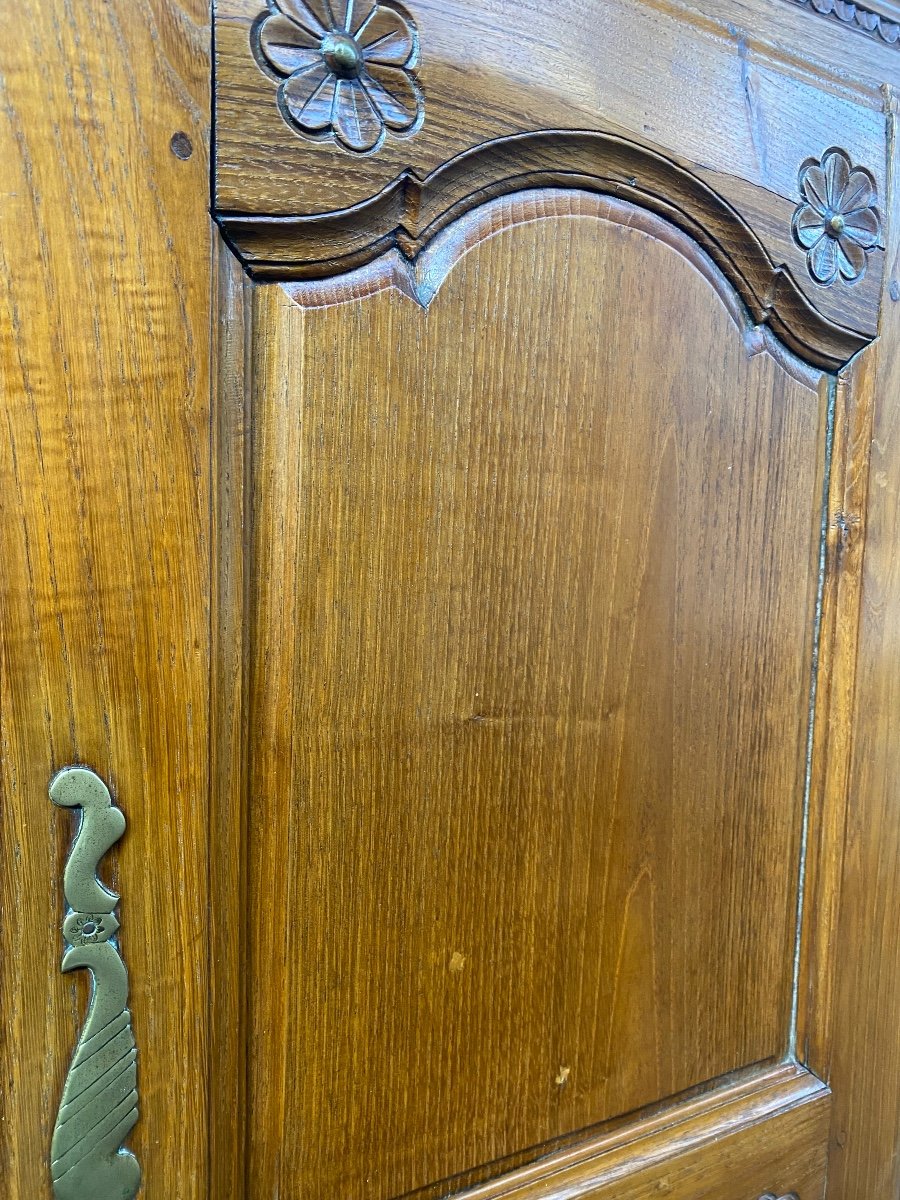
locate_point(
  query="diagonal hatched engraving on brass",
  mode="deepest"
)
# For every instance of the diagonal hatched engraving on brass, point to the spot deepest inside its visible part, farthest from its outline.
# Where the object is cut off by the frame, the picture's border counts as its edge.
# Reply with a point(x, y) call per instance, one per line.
point(98, 1108)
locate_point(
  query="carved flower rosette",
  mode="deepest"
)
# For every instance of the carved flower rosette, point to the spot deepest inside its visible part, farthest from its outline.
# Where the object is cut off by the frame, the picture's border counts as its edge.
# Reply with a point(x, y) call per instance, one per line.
point(345, 69)
point(836, 223)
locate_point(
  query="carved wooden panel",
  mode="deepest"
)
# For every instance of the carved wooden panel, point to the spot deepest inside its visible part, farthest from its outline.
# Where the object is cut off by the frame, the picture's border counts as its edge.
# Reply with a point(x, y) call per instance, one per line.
point(507, 816)
point(739, 120)
point(879, 19)
point(537, 453)
point(528, 634)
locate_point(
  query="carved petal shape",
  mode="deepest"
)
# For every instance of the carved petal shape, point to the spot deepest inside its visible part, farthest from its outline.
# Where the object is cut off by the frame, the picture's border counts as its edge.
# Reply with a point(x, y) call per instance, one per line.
point(815, 188)
point(287, 46)
point(809, 226)
point(851, 259)
point(356, 123)
point(317, 113)
point(837, 175)
point(823, 260)
point(301, 88)
point(352, 13)
point(862, 227)
point(394, 94)
point(837, 222)
point(101, 927)
point(304, 15)
point(386, 38)
point(859, 192)
point(339, 13)
point(317, 100)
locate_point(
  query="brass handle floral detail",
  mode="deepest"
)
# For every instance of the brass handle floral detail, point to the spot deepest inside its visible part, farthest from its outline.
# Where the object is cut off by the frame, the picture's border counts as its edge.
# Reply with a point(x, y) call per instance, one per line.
point(344, 69)
point(837, 222)
point(99, 1101)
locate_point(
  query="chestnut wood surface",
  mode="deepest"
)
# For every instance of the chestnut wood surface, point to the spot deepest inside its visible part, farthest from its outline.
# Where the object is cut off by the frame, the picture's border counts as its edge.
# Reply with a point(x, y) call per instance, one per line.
point(731, 107)
point(865, 1067)
point(835, 679)
point(764, 1135)
point(104, 541)
point(465, 858)
point(409, 214)
point(231, 731)
point(529, 636)
point(817, 41)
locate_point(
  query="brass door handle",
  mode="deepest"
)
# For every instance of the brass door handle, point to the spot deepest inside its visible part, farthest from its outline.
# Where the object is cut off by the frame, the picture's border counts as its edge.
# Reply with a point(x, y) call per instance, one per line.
point(98, 1108)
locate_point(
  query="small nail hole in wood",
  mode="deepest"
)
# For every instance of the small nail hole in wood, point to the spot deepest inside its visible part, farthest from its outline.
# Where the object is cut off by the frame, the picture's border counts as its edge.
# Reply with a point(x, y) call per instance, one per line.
point(181, 145)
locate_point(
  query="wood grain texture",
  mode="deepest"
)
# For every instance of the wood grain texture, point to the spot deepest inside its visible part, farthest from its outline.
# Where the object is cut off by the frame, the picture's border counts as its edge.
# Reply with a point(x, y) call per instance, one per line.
point(231, 733)
point(535, 624)
point(409, 214)
point(849, 1021)
point(742, 117)
point(765, 1135)
point(864, 1163)
point(817, 45)
point(104, 488)
point(878, 20)
point(821, 872)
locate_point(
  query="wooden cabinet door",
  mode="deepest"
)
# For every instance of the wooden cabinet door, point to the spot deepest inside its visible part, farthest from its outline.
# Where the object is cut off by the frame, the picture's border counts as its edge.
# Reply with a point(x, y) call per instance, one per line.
point(451, 557)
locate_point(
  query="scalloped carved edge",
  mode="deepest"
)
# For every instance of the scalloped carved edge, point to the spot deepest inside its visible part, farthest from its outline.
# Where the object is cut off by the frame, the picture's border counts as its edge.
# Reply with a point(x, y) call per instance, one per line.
point(410, 211)
point(420, 279)
point(856, 17)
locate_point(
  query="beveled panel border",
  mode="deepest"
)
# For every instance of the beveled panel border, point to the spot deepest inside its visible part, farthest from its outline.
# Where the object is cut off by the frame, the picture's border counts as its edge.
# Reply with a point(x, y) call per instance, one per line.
point(408, 213)
point(774, 1121)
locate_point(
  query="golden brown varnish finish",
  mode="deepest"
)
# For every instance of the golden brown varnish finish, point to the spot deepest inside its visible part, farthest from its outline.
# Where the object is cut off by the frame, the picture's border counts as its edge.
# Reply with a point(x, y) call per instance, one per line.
point(763, 1135)
point(104, 541)
point(725, 101)
point(865, 1031)
point(409, 214)
point(529, 637)
point(105, 533)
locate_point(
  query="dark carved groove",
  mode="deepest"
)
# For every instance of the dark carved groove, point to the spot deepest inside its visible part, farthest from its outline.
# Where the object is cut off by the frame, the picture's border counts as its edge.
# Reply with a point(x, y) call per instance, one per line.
point(410, 211)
